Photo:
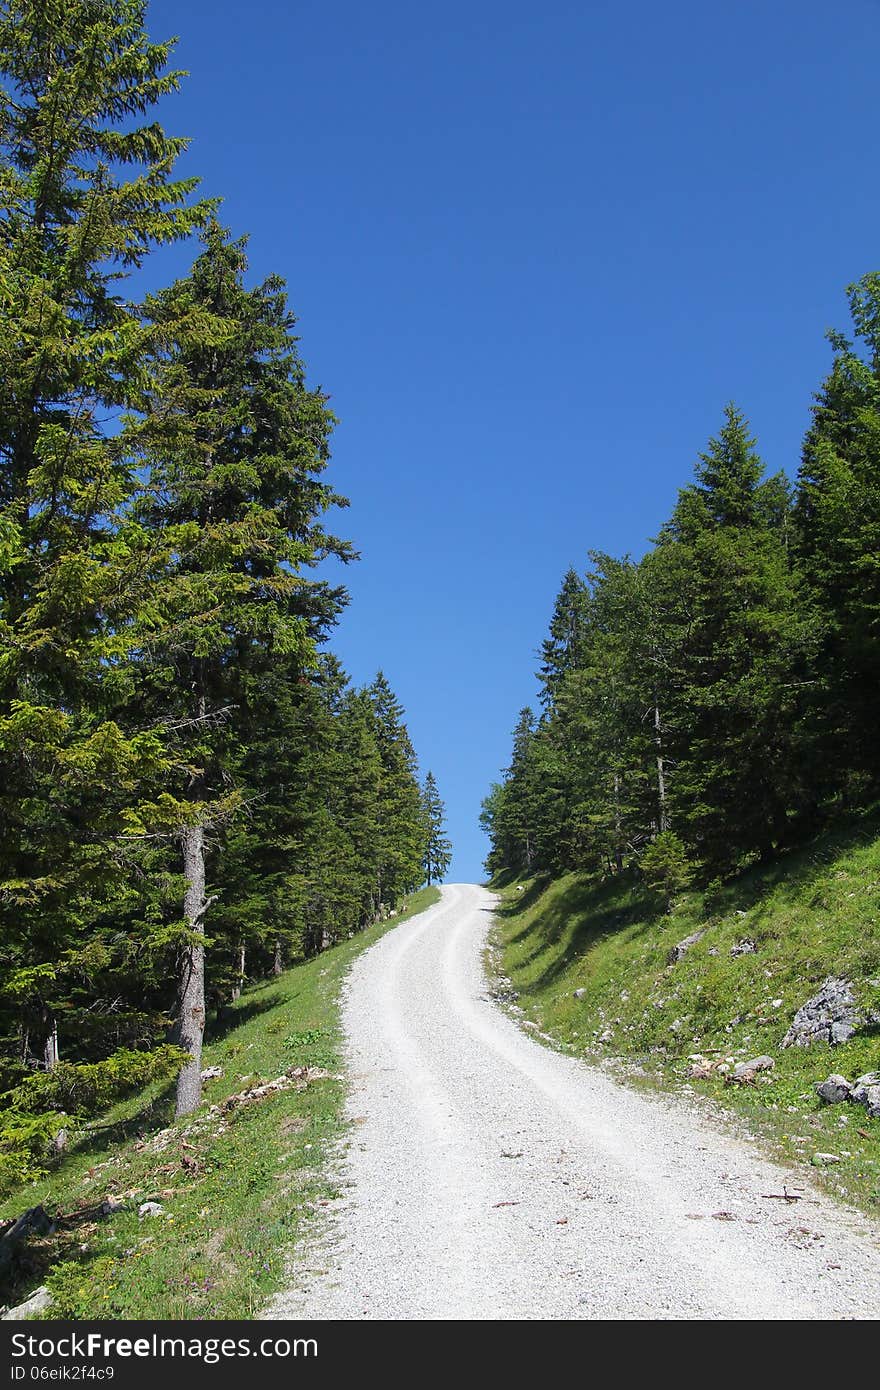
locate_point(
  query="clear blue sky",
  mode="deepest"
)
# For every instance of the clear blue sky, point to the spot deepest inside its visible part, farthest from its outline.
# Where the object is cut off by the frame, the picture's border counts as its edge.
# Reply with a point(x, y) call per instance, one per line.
point(533, 250)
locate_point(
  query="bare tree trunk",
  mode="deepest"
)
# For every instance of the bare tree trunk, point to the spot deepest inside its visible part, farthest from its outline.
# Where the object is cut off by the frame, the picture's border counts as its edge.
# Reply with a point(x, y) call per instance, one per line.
point(277, 959)
point(191, 997)
point(50, 1045)
point(618, 829)
point(661, 772)
point(236, 993)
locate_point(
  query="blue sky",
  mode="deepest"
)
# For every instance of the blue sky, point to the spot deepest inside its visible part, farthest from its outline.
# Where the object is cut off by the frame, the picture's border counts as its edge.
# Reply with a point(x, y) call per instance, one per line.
point(533, 252)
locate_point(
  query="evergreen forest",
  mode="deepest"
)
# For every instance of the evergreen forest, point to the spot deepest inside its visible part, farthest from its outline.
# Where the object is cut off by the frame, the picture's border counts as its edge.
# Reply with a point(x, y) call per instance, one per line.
point(192, 794)
point(713, 704)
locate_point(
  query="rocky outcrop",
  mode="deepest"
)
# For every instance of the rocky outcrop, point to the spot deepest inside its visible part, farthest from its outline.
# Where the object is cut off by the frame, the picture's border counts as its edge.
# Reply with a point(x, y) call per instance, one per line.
point(865, 1090)
point(830, 1016)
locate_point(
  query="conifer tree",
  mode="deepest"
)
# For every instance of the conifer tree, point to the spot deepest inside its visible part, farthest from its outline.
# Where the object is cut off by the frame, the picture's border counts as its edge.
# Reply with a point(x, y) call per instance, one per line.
point(438, 846)
point(235, 444)
point(399, 810)
point(838, 545)
point(561, 649)
point(737, 645)
point(87, 190)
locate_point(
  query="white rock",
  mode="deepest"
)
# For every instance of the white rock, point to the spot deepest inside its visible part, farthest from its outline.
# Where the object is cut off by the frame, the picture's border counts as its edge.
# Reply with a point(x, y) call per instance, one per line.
point(743, 1069)
point(37, 1303)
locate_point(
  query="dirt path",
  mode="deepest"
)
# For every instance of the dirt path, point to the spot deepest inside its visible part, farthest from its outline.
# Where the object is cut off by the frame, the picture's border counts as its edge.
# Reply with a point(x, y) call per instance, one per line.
point(488, 1177)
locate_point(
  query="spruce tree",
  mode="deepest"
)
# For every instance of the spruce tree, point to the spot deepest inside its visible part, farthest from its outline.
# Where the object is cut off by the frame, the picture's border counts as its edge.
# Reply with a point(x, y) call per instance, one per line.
point(399, 809)
point(838, 548)
point(87, 190)
point(738, 644)
point(235, 444)
point(438, 847)
point(560, 651)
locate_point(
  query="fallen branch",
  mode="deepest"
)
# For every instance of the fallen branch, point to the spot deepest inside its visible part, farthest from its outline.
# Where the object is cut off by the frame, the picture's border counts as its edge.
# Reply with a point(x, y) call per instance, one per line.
point(783, 1196)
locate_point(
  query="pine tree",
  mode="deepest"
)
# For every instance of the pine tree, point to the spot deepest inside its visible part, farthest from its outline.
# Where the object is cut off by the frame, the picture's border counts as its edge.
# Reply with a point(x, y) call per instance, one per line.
point(438, 847)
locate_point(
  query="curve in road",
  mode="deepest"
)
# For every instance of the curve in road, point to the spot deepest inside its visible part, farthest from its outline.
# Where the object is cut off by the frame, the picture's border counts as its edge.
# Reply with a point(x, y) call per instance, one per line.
point(488, 1177)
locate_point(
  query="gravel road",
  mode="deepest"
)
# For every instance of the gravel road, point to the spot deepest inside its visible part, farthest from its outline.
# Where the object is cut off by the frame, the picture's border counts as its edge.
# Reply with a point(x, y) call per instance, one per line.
point(488, 1177)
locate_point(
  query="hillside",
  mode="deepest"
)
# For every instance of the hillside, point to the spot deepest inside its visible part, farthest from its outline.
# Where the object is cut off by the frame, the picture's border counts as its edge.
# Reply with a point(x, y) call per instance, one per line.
point(588, 962)
point(196, 1218)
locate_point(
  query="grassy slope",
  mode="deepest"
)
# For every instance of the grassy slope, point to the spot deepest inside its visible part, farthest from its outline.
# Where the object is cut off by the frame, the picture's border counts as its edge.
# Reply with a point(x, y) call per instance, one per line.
point(813, 914)
point(234, 1196)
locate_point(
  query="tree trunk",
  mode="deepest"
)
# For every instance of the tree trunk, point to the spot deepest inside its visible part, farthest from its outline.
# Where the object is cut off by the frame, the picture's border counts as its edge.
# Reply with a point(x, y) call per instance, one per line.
point(663, 823)
point(236, 993)
point(618, 828)
point(277, 960)
point(50, 1044)
point(191, 998)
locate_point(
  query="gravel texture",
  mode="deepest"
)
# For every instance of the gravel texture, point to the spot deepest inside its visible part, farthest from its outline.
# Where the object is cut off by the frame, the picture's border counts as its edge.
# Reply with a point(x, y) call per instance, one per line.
point(489, 1177)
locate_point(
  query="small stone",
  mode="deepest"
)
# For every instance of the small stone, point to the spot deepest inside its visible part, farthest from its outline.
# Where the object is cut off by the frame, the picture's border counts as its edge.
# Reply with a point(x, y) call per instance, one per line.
point(210, 1073)
point(745, 947)
point(748, 1069)
point(862, 1085)
point(110, 1205)
point(824, 1160)
point(150, 1209)
point(682, 947)
point(580, 994)
point(835, 1089)
point(872, 1102)
point(605, 1036)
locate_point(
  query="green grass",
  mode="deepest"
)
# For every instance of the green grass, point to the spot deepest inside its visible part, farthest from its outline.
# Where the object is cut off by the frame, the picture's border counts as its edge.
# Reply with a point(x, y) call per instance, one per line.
point(235, 1195)
point(812, 914)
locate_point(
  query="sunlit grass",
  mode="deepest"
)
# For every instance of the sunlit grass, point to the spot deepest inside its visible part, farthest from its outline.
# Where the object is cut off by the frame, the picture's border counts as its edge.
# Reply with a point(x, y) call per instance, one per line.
point(235, 1195)
point(814, 914)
